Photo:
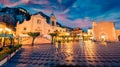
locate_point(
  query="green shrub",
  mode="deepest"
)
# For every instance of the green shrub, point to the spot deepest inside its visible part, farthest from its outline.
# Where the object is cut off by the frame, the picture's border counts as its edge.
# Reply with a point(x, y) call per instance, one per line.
point(18, 46)
point(2, 56)
point(8, 50)
point(13, 49)
point(4, 52)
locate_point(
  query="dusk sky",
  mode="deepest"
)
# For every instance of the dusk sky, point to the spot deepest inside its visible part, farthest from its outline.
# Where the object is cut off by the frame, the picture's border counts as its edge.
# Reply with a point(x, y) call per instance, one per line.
point(73, 13)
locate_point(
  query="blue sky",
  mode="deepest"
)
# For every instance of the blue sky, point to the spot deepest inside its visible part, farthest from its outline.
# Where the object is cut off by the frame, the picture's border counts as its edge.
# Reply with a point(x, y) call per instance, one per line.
point(73, 13)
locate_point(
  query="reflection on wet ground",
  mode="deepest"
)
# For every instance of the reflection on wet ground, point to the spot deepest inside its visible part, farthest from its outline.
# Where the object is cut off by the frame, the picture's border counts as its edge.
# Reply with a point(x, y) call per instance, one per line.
point(80, 54)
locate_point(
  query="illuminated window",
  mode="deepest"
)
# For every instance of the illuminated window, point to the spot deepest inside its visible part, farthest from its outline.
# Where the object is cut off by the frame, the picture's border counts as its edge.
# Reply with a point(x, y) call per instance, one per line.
point(103, 37)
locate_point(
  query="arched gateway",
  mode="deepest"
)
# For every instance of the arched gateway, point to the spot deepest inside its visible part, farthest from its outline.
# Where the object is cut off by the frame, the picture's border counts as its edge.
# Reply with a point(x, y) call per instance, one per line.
point(119, 38)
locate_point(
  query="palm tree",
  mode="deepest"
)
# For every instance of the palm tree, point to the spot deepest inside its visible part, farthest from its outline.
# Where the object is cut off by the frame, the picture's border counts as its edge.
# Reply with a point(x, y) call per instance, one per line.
point(33, 35)
point(11, 41)
point(53, 35)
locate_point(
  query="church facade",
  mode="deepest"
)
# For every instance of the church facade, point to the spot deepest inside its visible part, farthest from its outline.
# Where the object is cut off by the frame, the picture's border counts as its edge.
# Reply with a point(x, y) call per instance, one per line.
point(105, 31)
point(38, 23)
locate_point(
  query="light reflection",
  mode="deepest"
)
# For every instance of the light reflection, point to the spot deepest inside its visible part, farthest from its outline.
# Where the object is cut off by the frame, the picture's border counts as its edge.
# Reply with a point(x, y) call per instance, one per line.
point(56, 44)
point(104, 43)
point(68, 47)
point(81, 46)
point(89, 50)
point(69, 50)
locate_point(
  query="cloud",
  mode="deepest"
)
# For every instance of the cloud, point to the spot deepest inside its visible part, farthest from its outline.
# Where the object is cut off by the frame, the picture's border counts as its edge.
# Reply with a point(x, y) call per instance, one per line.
point(66, 11)
point(114, 16)
point(12, 4)
point(82, 23)
point(63, 17)
point(72, 12)
point(60, 1)
point(40, 2)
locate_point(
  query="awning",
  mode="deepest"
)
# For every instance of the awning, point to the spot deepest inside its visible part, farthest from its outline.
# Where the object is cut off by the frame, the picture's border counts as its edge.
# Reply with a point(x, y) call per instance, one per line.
point(6, 35)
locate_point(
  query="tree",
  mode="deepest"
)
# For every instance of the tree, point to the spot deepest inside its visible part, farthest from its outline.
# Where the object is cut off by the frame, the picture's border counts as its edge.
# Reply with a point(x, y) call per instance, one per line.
point(63, 37)
point(11, 41)
point(33, 35)
point(53, 35)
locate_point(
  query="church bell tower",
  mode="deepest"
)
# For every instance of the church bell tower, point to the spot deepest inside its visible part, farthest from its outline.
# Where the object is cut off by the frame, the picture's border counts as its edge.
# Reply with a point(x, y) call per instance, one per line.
point(52, 20)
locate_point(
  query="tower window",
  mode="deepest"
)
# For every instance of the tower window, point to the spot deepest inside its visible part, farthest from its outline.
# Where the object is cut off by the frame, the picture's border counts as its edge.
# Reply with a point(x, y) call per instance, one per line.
point(48, 30)
point(53, 23)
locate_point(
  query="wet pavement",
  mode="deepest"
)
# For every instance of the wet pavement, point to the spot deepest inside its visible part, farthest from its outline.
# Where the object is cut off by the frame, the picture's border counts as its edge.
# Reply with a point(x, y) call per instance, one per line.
point(79, 54)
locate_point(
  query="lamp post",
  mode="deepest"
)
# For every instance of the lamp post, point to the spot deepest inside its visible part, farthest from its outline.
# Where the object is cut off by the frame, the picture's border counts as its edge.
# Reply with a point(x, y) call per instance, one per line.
point(1, 37)
point(4, 39)
point(18, 39)
point(4, 36)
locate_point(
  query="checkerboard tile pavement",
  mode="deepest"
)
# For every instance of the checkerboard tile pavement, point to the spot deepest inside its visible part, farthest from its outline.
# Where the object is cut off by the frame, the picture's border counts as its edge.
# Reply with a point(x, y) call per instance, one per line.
point(74, 54)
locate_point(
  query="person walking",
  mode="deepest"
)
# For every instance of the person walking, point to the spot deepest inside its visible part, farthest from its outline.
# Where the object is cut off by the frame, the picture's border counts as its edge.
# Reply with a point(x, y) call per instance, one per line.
point(59, 45)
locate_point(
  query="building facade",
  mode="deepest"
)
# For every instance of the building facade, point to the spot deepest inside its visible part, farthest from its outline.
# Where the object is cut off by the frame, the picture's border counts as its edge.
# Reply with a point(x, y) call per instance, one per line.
point(105, 31)
point(7, 35)
point(90, 33)
point(38, 23)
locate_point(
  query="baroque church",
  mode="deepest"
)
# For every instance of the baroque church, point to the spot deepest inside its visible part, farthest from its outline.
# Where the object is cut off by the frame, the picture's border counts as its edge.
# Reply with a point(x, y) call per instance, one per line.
point(38, 23)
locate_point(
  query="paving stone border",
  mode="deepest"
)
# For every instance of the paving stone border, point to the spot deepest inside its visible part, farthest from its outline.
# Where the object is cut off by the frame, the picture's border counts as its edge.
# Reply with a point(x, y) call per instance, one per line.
point(8, 57)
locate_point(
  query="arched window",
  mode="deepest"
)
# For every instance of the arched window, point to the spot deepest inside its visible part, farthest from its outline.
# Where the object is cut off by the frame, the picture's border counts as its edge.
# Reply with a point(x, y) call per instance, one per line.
point(38, 21)
point(48, 30)
point(24, 28)
point(53, 23)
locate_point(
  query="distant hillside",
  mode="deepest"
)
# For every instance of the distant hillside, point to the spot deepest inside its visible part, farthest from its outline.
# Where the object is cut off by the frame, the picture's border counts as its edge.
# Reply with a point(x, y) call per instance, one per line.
point(13, 15)
point(44, 15)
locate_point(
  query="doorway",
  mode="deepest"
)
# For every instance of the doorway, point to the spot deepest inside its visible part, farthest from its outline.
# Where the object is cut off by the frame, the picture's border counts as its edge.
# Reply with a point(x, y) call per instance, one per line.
point(119, 38)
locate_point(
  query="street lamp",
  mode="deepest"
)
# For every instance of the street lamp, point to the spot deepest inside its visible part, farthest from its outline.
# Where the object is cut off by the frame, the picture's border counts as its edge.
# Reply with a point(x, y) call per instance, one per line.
point(0, 36)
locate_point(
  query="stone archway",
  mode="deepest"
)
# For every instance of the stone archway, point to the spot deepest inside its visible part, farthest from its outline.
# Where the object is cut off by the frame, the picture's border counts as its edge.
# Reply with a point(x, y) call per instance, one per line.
point(119, 38)
point(103, 37)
